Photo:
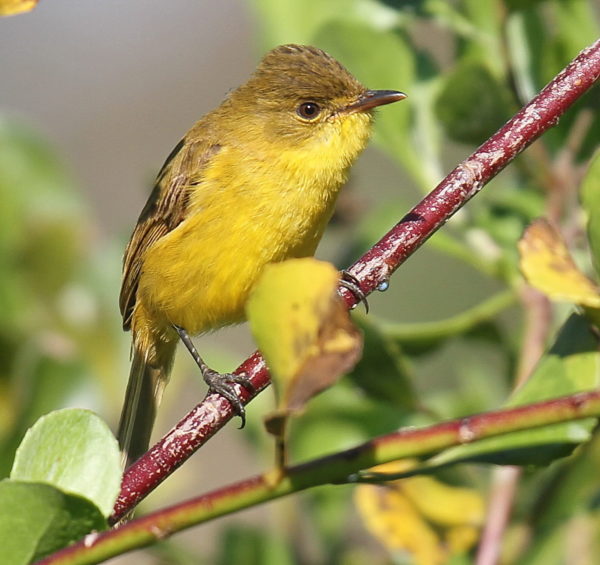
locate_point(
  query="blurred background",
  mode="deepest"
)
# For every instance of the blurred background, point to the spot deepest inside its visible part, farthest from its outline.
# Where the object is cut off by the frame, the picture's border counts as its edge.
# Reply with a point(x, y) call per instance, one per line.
point(93, 97)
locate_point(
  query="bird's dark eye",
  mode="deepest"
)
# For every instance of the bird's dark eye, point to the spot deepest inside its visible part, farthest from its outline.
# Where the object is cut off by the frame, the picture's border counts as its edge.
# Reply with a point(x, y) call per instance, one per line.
point(308, 110)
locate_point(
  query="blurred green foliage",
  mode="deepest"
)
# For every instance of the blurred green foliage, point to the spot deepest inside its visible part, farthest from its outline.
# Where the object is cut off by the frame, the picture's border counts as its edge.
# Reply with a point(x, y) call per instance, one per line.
point(467, 66)
point(59, 332)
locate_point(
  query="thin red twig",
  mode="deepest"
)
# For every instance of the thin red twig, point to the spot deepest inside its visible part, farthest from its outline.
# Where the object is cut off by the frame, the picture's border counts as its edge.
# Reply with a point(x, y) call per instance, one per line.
point(378, 264)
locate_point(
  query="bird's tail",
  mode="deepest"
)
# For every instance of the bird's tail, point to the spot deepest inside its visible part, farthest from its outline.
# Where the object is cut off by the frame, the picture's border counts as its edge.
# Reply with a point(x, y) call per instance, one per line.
point(147, 379)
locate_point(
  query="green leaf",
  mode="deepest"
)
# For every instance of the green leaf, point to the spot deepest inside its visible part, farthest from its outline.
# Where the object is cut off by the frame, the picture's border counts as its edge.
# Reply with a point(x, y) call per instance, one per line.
point(569, 498)
point(472, 104)
point(570, 366)
point(72, 450)
point(590, 198)
point(574, 486)
point(38, 519)
point(382, 372)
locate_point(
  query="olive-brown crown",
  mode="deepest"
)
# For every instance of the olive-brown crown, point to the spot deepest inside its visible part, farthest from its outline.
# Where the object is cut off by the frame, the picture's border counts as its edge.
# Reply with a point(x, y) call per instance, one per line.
point(292, 73)
point(303, 72)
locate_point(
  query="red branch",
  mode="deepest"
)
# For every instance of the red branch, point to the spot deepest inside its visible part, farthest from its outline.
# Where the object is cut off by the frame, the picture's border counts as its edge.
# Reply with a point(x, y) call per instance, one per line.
point(378, 264)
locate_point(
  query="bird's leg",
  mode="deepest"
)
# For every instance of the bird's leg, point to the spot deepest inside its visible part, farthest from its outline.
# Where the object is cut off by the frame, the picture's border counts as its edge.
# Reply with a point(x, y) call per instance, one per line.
point(350, 282)
point(220, 383)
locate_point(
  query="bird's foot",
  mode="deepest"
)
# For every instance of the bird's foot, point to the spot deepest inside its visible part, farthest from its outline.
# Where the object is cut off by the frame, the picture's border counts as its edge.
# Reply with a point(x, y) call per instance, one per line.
point(220, 383)
point(350, 282)
point(224, 384)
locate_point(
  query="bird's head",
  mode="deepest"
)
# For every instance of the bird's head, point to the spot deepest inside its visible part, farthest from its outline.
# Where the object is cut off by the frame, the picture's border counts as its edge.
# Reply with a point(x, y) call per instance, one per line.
point(300, 97)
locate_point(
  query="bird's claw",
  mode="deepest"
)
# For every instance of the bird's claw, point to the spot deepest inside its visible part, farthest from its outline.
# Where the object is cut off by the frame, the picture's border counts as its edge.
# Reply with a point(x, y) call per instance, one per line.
point(224, 384)
point(351, 283)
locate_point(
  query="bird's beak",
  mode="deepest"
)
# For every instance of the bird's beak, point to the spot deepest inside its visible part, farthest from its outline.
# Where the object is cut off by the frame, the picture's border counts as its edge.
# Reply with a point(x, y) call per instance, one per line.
point(370, 99)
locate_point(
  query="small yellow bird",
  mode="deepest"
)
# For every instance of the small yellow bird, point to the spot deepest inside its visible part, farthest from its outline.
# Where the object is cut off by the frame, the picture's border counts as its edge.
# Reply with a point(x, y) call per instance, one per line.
point(253, 182)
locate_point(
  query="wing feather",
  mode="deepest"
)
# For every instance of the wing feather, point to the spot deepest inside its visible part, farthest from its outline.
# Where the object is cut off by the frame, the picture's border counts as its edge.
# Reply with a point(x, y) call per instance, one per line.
point(165, 209)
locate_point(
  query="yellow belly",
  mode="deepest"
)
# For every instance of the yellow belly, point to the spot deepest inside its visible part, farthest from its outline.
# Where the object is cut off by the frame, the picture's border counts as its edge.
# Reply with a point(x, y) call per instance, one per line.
point(240, 218)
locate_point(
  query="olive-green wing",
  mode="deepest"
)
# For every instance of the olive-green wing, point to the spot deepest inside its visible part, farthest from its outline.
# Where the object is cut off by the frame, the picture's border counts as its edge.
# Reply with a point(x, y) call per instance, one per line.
point(165, 209)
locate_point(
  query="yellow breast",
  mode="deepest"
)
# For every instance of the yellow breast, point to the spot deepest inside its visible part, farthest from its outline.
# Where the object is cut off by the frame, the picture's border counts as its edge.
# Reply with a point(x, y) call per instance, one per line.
point(249, 210)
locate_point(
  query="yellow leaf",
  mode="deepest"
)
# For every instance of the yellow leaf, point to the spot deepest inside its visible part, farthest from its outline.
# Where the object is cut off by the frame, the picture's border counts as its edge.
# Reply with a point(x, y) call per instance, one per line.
point(394, 521)
point(304, 332)
point(443, 504)
point(13, 7)
point(421, 515)
point(461, 539)
point(548, 266)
